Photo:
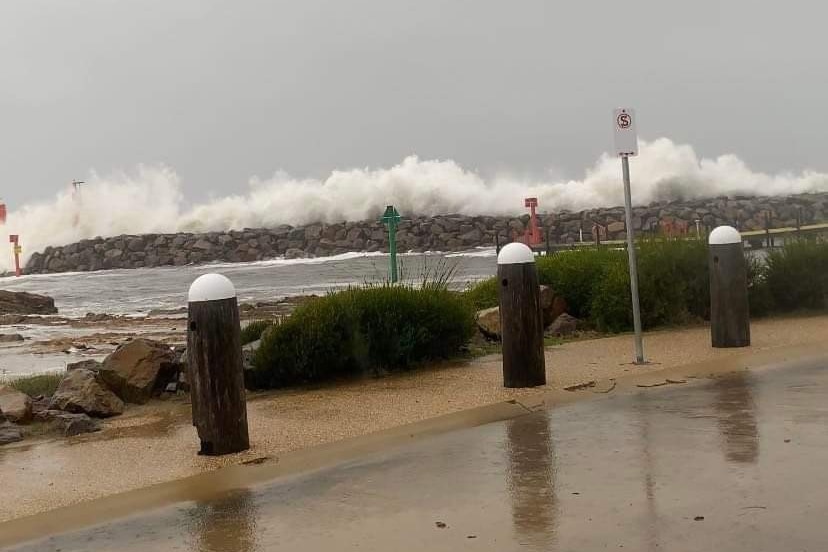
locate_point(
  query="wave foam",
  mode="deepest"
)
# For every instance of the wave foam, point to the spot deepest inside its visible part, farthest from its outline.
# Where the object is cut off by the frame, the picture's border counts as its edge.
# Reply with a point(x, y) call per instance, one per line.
point(150, 199)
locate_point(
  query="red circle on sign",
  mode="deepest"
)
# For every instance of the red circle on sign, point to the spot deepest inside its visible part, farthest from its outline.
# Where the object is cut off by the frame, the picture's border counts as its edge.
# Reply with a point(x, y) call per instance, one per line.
point(624, 120)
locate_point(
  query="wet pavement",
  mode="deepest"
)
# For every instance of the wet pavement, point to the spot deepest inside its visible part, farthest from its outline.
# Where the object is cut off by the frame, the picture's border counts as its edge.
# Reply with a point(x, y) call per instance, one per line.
point(737, 463)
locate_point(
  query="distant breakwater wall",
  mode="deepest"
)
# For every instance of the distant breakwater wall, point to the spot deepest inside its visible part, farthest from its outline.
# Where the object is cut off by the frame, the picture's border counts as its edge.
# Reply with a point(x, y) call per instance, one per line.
point(418, 233)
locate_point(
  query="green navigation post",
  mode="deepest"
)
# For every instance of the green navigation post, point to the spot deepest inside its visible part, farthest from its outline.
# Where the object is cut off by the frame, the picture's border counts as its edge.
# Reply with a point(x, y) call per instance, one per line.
point(391, 217)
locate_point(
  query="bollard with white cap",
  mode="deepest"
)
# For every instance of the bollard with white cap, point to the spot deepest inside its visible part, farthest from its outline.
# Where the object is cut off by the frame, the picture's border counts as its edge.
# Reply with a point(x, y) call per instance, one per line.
point(214, 360)
point(521, 319)
point(729, 313)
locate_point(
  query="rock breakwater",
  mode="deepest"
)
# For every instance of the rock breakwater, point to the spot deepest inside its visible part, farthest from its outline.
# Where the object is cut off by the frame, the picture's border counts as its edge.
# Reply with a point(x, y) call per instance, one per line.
point(416, 233)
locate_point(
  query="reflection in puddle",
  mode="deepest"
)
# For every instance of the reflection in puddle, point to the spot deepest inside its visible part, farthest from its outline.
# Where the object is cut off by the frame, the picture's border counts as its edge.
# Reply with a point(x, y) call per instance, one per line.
point(223, 525)
point(532, 480)
point(736, 414)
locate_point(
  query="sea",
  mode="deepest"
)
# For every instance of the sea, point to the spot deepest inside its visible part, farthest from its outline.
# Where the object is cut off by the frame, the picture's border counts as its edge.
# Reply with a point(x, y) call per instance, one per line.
point(139, 291)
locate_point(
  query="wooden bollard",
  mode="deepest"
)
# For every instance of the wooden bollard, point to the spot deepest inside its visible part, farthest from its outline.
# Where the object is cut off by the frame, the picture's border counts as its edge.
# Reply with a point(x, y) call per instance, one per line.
point(729, 312)
point(521, 319)
point(214, 361)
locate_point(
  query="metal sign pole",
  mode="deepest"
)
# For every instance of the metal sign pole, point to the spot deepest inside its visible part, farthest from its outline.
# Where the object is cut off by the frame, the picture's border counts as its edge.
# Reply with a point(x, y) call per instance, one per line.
point(639, 345)
point(626, 144)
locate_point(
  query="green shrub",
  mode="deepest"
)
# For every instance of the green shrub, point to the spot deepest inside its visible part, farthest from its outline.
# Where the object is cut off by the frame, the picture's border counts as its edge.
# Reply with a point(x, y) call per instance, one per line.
point(611, 304)
point(673, 281)
point(797, 275)
point(575, 275)
point(253, 331)
point(483, 294)
point(372, 328)
point(760, 300)
point(41, 384)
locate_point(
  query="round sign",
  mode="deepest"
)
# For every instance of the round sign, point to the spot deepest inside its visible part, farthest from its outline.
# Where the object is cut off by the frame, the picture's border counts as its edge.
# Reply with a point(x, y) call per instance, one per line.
point(624, 120)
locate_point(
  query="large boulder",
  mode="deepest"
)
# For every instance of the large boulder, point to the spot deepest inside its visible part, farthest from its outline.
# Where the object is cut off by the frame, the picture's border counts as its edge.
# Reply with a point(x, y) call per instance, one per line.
point(21, 302)
point(552, 305)
point(9, 433)
point(138, 368)
point(81, 391)
point(15, 405)
point(488, 322)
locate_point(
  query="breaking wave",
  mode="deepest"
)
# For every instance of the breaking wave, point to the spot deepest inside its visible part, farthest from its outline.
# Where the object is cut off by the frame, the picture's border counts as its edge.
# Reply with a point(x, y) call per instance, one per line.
point(149, 199)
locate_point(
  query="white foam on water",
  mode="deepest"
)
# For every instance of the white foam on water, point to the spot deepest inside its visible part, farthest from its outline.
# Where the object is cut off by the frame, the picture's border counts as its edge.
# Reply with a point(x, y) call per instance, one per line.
point(149, 199)
point(481, 252)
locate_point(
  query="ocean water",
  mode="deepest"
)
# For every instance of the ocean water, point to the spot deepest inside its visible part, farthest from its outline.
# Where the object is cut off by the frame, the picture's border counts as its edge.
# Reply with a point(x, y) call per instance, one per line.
point(138, 291)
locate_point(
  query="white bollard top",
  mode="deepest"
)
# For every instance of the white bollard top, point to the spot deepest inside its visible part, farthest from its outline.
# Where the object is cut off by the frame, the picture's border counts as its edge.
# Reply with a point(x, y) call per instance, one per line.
point(515, 253)
point(723, 235)
point(211, 287)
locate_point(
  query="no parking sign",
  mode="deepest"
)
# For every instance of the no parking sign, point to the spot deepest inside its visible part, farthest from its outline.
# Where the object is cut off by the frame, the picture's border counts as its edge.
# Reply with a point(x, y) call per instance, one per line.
point(626, 138)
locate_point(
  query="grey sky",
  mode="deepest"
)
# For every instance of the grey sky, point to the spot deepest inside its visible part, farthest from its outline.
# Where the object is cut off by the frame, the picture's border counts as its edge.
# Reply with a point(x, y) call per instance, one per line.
point(222, 91)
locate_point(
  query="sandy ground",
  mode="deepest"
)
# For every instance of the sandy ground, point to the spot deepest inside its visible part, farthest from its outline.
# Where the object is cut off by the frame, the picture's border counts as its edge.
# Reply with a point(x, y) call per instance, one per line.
point(156, 443)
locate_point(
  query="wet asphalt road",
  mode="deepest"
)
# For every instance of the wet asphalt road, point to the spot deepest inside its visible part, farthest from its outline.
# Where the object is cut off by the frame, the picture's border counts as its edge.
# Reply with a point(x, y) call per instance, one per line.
point(739, 463)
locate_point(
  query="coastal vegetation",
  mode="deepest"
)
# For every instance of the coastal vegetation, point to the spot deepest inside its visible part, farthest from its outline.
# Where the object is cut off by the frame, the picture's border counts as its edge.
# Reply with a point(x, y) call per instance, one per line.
point(254, 330)
point(37, 385)
point(371, 329)
point(673, 282)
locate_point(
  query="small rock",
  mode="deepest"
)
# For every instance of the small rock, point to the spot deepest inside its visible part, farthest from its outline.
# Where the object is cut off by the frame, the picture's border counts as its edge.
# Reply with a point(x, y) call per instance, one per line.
point(295, 254)
point(557, 308)
point(77, 424)
point(15, 405)
point(440, 525)
point(9, 433)
point(89, 364)
point(563, 325)
point(98, 317)
point(47, 414)
point(488, 322)
point(698, 518)
point(11, 319)
point(39, 404)
point(171, 387)
point(21, 302)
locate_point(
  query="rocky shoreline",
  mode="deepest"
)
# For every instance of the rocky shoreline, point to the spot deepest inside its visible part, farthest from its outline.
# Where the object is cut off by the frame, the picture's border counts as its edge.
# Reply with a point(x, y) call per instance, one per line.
point(420, 233)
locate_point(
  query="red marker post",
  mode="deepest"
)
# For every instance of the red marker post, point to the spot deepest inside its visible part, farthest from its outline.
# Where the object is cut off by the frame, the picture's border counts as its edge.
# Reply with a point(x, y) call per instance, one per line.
point(16, 249)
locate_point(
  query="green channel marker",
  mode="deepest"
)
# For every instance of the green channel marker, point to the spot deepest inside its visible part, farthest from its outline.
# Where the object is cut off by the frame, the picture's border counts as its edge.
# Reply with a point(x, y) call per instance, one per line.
point(391, 218)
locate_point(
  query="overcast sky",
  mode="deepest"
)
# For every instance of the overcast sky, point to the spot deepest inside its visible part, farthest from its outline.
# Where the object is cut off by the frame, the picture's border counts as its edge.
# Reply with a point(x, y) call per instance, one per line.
point(225, 90)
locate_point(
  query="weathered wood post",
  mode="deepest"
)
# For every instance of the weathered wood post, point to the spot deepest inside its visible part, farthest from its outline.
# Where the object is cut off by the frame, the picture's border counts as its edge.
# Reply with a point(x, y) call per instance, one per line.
point(521, 319)
point(214, 361)
point(729, 313)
